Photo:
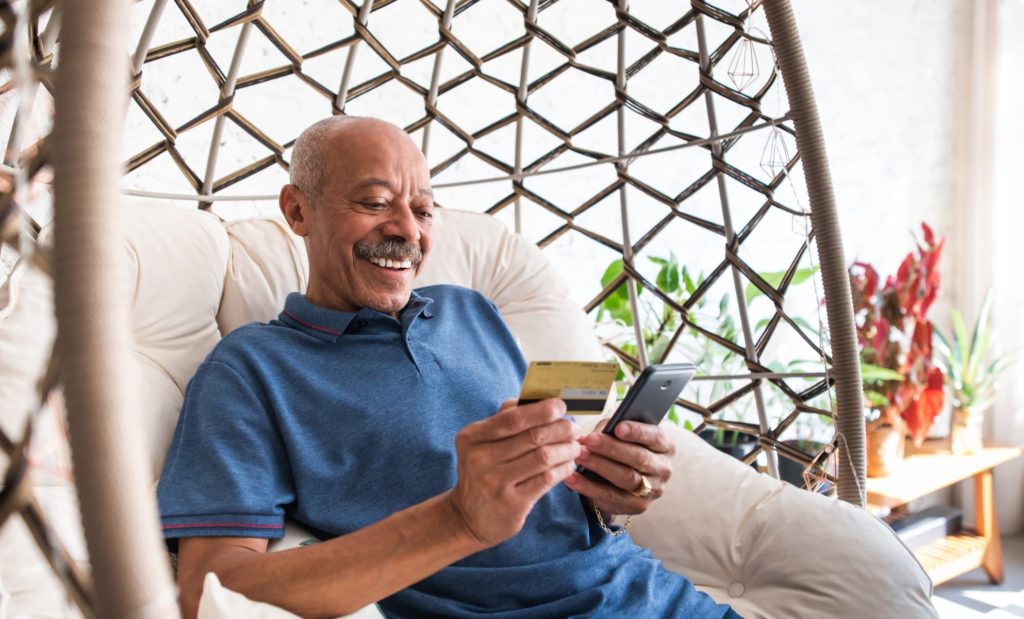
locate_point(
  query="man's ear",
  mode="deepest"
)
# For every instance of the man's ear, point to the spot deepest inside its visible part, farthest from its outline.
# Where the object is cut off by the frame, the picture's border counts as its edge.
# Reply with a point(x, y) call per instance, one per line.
point(296, 209)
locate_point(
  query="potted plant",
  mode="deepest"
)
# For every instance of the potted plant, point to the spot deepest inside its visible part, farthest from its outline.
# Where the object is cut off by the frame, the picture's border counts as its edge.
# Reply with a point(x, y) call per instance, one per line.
point(971, 380)
point(659, 323)
point(903, 386)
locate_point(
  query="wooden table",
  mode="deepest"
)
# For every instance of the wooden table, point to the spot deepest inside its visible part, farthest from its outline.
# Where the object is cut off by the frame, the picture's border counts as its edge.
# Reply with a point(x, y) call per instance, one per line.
point(932, 468)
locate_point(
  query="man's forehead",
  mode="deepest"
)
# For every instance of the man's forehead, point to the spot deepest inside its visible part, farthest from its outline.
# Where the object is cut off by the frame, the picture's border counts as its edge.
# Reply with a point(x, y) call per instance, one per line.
point(376, 156)
point(383, 183)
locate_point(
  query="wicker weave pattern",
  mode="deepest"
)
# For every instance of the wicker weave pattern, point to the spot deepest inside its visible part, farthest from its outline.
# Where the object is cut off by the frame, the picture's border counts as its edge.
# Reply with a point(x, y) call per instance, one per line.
point(436, 82)
point(368, 67)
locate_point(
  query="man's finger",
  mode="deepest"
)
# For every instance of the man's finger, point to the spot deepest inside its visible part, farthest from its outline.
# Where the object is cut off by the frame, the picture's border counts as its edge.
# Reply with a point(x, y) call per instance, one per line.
point(536, 486)
point(619, 475)
point(634, 456)
point(648, 435)
point(560, 431)
point(541, 459)
point(606, 497)
point(517, 419)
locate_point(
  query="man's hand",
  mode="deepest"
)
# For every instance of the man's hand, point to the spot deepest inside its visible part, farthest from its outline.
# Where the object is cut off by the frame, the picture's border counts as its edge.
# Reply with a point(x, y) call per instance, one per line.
point(507, 462)
point(637, 448)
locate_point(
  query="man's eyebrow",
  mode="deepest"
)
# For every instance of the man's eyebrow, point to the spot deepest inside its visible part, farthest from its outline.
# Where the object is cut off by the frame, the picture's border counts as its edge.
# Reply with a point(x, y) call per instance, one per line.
point(380, 182)
point(373, 182)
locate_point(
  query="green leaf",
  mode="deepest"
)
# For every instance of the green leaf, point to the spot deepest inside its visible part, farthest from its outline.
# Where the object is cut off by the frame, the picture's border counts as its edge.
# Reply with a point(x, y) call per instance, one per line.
point(622, 314)
point(979, 347)
point(613, 271)
point(688, 281)
point(877, 400)
point(657, 260)
point(960, 338)
point(668, 279)
point(774, 279)
point(688, 425)
point(657, 349)
point(673, 416)
point(805, 325)
point(939, 341)
point(980, 337)
point(877, 374)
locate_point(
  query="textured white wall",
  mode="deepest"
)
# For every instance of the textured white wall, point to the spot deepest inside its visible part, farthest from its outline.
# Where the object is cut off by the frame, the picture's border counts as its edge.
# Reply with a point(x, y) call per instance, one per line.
point(884, 76)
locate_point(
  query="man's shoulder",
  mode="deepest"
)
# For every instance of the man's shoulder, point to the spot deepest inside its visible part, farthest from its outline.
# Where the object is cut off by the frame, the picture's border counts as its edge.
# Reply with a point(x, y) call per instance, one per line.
point(250, 340)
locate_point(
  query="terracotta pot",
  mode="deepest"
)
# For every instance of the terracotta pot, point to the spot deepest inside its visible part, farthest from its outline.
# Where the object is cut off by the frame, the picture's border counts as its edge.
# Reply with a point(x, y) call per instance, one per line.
point(885, 450)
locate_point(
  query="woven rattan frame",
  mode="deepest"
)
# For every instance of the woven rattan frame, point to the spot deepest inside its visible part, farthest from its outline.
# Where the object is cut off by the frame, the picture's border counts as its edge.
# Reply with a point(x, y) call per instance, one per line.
point(93, 341)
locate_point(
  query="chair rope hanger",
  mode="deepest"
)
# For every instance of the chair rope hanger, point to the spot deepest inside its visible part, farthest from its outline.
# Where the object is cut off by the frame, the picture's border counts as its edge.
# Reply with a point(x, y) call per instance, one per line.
point(76, 52)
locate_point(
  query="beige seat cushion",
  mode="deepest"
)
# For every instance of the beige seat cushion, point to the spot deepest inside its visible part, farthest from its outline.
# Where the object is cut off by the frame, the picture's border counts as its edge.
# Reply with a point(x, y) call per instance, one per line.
point(175, 262)
point(770, 549)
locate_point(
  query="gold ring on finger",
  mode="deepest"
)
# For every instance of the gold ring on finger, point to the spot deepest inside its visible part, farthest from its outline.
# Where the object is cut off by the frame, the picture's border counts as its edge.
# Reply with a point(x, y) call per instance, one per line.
point(645, 489)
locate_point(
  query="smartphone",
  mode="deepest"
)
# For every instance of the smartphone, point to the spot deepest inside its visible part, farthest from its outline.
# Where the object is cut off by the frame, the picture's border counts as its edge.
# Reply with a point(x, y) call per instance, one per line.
point(648, 400)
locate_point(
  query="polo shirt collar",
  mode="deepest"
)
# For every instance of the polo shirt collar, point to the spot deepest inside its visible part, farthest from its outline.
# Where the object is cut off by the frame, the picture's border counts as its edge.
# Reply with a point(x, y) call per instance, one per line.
point(329, 324)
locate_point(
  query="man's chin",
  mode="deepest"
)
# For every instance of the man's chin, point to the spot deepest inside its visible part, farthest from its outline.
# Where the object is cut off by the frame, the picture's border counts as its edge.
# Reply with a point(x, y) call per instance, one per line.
point(390, 304)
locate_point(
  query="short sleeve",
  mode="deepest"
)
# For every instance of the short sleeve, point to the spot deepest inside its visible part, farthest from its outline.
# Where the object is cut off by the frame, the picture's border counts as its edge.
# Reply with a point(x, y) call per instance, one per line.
point(226, 473)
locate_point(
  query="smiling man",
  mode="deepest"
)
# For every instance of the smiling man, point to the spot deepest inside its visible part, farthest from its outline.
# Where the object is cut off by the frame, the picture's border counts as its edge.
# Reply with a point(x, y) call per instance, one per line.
point(377, 416)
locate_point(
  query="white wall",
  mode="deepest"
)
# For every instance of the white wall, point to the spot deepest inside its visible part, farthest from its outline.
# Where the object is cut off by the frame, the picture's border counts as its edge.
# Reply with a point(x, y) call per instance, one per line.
point(884, 76)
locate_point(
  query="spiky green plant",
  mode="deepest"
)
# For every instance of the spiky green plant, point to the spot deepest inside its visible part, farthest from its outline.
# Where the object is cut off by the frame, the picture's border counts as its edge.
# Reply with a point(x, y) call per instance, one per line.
point(971, 379)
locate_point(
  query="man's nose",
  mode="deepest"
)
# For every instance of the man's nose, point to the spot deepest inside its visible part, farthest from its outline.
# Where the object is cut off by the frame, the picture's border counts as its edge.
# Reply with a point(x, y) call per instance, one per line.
point(403, 223)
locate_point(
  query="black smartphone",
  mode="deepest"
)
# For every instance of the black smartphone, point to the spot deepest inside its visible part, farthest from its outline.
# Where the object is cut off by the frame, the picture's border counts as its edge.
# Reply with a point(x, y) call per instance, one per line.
point(648, 400)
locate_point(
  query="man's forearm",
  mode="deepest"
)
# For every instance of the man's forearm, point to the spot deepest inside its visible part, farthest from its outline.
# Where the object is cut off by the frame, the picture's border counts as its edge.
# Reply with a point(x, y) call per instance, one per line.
point(342, 575)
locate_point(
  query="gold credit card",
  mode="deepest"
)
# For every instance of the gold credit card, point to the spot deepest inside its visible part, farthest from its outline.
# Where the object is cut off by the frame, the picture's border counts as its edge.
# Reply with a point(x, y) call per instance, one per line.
point(584, 385)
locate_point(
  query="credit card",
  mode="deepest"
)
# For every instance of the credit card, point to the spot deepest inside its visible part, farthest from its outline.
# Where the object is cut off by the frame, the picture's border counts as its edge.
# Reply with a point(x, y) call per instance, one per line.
point(584, 385)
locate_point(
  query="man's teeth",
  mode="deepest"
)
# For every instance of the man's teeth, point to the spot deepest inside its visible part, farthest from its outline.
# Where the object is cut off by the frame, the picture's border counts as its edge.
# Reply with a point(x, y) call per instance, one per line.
point(391, 264)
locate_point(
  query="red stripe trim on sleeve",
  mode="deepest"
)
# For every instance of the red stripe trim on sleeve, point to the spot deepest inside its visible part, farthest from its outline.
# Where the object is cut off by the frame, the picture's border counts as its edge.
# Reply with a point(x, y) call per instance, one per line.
point(242, 525)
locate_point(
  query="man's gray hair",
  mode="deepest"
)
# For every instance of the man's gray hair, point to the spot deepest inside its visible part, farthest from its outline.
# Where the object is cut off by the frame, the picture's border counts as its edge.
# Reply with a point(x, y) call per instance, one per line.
point(308, 169)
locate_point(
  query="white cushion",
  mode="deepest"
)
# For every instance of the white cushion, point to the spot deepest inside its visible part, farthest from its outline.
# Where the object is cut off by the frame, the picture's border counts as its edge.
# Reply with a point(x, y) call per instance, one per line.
point(266, 263)
point(219, 602)
point(770, 549)
point(176, 260)
point(26, 340)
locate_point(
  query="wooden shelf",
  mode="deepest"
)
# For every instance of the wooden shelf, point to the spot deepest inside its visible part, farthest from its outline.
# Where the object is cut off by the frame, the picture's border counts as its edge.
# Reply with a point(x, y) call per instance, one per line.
point(931, 468)
point(947, 558)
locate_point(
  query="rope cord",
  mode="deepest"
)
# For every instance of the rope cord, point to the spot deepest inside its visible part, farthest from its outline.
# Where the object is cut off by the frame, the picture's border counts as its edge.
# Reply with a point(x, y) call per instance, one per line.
point(811, 142)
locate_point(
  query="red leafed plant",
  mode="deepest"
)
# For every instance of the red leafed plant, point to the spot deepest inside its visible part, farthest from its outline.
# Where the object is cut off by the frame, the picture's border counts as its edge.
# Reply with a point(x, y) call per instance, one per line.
point(895, 337)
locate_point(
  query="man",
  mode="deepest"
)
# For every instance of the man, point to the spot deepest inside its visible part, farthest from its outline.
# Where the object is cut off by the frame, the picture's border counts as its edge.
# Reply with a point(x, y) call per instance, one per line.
point(343, 415)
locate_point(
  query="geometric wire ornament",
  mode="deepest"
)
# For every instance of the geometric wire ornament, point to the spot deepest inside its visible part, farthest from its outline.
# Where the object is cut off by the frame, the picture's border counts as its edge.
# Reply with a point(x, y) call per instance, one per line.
point(743, 68)
point(775, 156)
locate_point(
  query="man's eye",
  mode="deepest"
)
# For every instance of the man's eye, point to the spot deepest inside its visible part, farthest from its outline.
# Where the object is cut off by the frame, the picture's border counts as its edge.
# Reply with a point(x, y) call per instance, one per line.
point(426, 215)
point(376, 206)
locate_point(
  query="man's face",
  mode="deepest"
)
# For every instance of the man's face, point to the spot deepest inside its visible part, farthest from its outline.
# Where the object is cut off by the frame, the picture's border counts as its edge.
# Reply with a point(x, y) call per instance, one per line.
point(369, 231)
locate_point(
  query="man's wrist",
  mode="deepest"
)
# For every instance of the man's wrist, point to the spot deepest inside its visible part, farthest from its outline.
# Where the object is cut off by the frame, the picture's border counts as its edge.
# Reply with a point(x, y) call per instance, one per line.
point(453, 520)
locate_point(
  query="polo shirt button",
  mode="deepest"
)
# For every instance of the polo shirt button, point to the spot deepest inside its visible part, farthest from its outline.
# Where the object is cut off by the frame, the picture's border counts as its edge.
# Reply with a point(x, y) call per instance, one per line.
point(736, 589)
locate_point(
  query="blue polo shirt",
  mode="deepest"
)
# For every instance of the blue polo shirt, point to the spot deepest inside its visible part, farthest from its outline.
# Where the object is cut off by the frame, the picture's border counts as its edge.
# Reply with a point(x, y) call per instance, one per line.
point(339, 419)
